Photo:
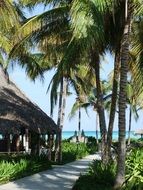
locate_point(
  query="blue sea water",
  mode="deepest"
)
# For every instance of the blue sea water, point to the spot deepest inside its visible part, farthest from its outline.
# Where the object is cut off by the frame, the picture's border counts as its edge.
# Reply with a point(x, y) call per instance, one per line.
point(67, 134)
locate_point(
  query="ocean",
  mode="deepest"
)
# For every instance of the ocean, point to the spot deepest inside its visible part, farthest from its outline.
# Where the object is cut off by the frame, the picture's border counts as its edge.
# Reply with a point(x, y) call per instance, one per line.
point(67, 134)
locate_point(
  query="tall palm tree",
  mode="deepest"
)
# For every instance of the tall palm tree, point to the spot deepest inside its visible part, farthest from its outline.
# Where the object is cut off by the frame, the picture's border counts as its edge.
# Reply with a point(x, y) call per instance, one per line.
point(50, 32)
point(60, 121)
point(43, 30)
point(122, 99)
point(113, 34)
point(93, 40)
point(130, 7)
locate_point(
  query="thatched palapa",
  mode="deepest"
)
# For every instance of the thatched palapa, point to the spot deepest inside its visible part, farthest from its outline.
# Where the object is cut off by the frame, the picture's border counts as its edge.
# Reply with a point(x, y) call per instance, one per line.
point(17, 112)
point(139, 132)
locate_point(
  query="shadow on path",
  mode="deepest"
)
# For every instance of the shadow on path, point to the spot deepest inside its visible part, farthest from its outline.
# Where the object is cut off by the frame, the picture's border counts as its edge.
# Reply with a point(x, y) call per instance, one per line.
point(59, 178)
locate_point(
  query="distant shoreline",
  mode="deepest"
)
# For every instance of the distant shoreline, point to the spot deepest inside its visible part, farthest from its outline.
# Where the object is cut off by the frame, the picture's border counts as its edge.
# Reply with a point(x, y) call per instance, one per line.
point(67, 134)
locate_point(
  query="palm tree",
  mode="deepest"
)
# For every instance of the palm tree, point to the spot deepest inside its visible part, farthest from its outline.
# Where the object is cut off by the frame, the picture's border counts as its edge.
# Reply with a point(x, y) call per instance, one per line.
point(113, 35)
point(92, 38)
point(77, 106)
point(120, 176)
point(81, 81)
point(44, 31)
point(90, 100)
point(60, 121)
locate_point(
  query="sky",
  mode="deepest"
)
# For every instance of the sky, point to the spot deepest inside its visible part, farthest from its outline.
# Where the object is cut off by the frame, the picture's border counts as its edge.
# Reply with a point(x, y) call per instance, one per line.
point(37, 92)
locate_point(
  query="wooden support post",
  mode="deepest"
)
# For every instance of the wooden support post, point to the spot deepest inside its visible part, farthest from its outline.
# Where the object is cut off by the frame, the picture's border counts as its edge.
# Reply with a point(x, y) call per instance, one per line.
point(8, 143)
point(22, 142)
point(56, 147)
point(17, 143)
point(49, 147)
point(26, 141)
point(60, 146)
point(38, 145)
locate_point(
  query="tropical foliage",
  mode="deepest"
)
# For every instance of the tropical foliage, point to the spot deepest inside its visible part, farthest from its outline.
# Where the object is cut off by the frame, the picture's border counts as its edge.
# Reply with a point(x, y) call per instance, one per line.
point(98, 176)
point(15, 167)
point(73, 151)
point(102, 177)
point(134, 170)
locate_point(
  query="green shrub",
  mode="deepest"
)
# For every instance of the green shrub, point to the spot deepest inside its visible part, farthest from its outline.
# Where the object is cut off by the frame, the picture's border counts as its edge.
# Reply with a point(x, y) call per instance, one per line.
point(134, 170)
point(73, 151)
point(17, 166)
point(92, 145)
point(98, 177)
point(103, 174)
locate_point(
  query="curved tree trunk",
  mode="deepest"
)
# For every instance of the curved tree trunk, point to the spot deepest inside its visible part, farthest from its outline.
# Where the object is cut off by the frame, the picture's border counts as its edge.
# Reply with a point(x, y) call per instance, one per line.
point(113, 101)
point(100, 105)
point(60, 122)
point(120, 176)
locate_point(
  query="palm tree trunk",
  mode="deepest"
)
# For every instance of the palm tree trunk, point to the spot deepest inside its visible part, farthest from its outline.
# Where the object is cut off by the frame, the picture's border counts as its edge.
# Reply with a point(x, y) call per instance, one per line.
point(60, 122)
point(97, 128)
point(120, 176)
point(100, 105)
point(4, 72)
point(79, 124)
point(130, 124)
point(113, 101)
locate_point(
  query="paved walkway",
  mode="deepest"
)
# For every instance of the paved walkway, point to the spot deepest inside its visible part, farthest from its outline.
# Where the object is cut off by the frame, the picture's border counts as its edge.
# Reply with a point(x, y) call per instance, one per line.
point(59, 178)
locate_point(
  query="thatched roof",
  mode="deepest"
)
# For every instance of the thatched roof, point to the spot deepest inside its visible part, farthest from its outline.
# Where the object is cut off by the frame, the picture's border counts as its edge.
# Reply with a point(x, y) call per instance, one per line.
point(18, 112)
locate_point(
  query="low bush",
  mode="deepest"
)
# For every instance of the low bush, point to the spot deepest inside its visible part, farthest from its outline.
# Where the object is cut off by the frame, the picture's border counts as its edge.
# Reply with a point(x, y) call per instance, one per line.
point(17, 166)
point(73, 151)
point(99, 176)
point(134, 170)
point(92, 145)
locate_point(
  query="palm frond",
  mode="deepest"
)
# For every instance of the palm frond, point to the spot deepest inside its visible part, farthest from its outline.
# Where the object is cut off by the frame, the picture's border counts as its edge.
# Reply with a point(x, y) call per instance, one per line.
point(5, 43)
point(136, 56)
point(54, 84)
point(9, 17)
point(31, 3)
point(88, 21)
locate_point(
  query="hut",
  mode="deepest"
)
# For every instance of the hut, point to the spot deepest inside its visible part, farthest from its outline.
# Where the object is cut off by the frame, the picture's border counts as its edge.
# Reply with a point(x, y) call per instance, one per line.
point(139, 132)
point(79, 137)
point(20, 119)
